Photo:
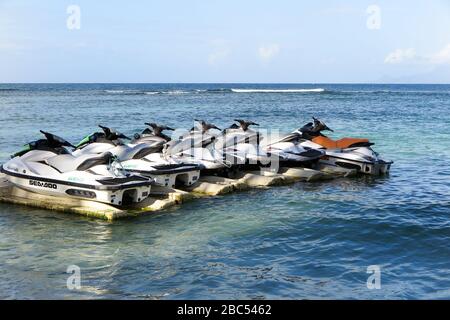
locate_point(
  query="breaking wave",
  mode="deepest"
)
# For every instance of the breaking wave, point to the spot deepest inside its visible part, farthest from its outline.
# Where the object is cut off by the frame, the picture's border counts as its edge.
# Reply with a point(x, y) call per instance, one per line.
point(278, 90)
point(144, 92)
point(219, 90)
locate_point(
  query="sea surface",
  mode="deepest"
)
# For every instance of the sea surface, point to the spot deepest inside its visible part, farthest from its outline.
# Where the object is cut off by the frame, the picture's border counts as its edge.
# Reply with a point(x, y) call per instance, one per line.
point(302, 241)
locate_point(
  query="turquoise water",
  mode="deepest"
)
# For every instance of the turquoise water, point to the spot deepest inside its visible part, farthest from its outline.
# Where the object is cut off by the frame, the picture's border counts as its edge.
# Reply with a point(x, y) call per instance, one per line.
point(307, 240)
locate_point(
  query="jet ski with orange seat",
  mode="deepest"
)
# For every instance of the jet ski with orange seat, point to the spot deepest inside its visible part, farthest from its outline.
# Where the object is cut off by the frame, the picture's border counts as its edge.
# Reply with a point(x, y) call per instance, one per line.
point(46, 166)
point(348, 153)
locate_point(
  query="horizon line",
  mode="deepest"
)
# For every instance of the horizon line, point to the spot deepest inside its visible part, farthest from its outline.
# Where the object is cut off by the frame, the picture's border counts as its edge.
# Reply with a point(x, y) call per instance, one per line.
point(301, 83)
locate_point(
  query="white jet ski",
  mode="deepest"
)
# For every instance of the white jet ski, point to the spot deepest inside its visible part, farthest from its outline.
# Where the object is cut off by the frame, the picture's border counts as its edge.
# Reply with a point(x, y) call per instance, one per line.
point(245, 144)
point(294, 151)
point(140, 157)
point(45, 166)
point(197, 147)
point(153, 136)
point(348, 153)
point(234, 150)
point(241, 146)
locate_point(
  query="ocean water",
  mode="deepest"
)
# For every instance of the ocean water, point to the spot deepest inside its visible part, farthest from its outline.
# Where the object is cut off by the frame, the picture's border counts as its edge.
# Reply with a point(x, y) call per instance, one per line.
point(303, 241)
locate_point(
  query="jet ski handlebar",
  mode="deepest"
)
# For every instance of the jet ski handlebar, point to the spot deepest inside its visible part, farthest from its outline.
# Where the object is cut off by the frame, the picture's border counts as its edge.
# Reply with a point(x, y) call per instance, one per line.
point(55, 141)
point(158, 129)
point(245, 124)
point(112, 134)
point(206, 126)
point(51, 141)
point(319, 125)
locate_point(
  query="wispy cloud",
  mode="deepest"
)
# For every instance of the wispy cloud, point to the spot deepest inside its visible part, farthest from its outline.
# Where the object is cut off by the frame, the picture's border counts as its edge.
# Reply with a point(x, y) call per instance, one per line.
point(267, 52)
point(220, 52)
point(442, 56)
point(400, 55)
point(410, 56)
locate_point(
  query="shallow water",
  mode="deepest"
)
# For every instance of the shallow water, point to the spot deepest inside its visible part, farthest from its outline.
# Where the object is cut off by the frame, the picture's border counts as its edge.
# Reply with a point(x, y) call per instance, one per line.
point(307, 240)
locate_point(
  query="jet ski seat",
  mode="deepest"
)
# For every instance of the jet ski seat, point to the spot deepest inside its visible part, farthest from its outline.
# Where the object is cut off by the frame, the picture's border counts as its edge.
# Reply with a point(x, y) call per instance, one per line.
point(126, 152)
point(68, 162)
point(147, 150)
point(341, 143)
point(292, 137)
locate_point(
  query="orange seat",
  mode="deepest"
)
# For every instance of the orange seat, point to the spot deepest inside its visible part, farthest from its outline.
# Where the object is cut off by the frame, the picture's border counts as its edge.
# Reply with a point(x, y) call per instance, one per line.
point(338, 144)
point(325, 142)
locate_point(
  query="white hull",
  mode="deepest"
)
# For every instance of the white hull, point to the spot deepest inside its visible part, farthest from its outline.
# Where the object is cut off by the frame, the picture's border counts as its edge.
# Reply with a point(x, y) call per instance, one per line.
point(165, 173)
point(375, 168)
point(171, 180)
point(115, 196)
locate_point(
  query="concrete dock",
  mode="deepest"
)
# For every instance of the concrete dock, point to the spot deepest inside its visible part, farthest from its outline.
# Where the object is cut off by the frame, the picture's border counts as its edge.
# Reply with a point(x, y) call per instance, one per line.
point(162, 197)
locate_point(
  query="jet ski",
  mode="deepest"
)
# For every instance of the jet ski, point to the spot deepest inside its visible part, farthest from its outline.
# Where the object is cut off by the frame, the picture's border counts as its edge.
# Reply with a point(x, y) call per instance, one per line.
point(348, 153)
point(153, 135)
point(143, 156)
point(233, 150)
point(197, 147)
point(46, 166)
point(294, 151)
point(240, 145)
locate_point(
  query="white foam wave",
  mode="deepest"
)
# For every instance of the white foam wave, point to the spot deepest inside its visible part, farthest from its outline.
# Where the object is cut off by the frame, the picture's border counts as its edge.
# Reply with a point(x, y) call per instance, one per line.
point(177, 92)
point(277, 90)
point(114, 91)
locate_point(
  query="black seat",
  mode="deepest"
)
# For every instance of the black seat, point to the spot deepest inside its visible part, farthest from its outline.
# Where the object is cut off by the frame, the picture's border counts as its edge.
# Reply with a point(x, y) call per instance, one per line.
point(95, 161)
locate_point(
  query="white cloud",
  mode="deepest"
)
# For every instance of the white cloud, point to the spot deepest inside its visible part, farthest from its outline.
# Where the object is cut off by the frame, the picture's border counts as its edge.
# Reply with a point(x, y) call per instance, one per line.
point(266, 53)
point(400, 55)
point(410, 56)
point(221, 50)
point(442, 56)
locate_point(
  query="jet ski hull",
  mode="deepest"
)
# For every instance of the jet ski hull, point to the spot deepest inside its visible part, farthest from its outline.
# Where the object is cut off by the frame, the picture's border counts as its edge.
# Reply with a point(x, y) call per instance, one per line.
point(169, 175)
point(152, 165)
point(296, 163)
point(115, 191)
point(295, 154)
point(377, 167)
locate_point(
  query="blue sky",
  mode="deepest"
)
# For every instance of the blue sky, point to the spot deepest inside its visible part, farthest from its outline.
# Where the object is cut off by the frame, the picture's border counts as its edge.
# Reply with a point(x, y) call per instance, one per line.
point(226, 41)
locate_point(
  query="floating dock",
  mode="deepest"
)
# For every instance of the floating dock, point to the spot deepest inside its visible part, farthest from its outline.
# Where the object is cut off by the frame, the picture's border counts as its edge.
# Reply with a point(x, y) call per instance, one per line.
point(162, 197)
